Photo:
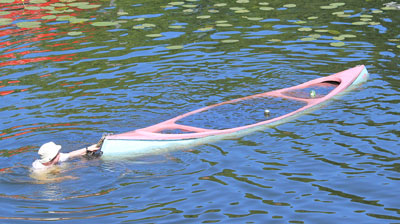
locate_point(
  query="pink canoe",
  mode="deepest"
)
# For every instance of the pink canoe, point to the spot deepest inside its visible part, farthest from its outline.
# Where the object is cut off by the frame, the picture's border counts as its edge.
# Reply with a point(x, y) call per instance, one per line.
point(234, 118)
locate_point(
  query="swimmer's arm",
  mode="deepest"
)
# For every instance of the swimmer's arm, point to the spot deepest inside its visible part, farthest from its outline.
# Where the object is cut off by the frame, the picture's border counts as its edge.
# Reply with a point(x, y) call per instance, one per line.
point(81, 152)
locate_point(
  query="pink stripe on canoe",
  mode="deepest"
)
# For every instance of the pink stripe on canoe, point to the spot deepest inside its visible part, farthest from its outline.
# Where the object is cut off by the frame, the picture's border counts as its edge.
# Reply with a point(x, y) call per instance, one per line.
point(344, 78)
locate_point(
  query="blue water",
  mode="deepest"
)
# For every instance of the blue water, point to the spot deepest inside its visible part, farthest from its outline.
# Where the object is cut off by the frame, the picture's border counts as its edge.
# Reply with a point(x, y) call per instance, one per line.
point(70, 71)
point(243, 112)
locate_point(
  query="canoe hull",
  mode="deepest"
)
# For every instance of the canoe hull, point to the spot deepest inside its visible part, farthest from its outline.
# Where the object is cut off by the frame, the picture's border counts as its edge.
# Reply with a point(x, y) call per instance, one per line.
point(117, 148)
point(150, 140)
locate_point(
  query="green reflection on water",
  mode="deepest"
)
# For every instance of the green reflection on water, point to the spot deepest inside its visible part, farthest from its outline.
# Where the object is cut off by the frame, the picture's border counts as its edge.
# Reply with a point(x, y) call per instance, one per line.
point(92, 63)
point(128, 27)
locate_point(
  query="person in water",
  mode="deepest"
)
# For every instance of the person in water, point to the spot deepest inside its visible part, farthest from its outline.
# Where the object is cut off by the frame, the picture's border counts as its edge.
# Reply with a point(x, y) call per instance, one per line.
point(50, 155)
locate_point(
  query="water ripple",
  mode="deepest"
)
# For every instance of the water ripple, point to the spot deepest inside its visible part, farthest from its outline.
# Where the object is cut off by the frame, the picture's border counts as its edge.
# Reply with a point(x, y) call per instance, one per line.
point(71, 70)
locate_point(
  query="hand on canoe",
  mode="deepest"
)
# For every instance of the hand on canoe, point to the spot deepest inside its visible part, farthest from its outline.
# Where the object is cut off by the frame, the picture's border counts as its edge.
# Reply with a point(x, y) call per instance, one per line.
point(93, 148)
point(84, 151)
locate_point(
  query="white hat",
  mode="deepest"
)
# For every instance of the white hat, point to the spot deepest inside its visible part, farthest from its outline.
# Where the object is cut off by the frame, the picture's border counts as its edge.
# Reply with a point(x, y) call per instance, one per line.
point(48, 151)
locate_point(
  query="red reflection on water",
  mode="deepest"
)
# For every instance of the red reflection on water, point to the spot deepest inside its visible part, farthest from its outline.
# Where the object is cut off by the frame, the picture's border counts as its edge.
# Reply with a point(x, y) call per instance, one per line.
point(28, 130)
point(30, 60)
point(17, 134)
point(9, 153)
point(6, 170)
point(12, 55)
point(3, 93)
point(18, 11)
point(18, 126)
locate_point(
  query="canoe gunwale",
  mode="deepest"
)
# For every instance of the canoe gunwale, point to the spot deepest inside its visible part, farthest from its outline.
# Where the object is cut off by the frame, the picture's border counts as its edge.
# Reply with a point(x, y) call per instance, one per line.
point(344, 79)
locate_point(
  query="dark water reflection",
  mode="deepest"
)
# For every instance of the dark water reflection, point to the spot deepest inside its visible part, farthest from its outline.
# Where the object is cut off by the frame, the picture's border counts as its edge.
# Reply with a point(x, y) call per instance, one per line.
point(71, 70)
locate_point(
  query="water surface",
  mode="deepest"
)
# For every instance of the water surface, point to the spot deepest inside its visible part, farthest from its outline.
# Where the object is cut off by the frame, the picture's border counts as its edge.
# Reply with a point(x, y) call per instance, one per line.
point(71, 70)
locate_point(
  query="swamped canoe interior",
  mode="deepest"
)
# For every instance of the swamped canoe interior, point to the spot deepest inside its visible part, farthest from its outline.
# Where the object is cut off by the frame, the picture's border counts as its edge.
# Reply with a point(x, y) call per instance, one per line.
point(251, 110)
